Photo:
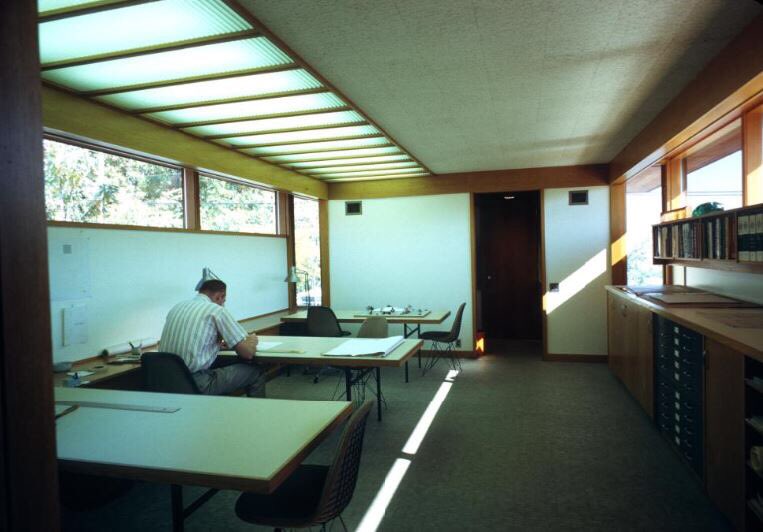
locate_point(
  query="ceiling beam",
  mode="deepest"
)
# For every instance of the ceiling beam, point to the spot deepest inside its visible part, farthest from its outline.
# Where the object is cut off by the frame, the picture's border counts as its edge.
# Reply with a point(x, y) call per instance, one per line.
point(246, 15)
point(334, 165)
point(514, 180)
point(87, 9)
point(284, 130)
point(340, 157)
point(363, 178)
point(387, 145)
point(293, 142)
point(151, 50)
point(183, 81)
point(184, 125)
point(268, 96)
point(411, 169)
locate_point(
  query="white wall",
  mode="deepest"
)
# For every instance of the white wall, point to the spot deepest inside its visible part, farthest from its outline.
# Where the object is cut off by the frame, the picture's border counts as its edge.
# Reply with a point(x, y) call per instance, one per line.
point(577, 257)
point(403, 251)
point(745, 286)
point(126, 281)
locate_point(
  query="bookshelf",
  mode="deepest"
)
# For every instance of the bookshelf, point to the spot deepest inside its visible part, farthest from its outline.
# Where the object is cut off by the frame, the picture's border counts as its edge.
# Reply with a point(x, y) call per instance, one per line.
point(728, 240)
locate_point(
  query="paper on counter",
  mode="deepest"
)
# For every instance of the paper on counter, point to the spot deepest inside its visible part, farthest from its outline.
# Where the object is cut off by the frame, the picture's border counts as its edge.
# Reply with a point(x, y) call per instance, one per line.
point(359, 347)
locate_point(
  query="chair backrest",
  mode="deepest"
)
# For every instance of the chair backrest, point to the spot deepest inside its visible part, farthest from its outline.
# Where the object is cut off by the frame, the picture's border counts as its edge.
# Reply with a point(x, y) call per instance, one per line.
point(455, 330)
point(321, 321)
point(343, 472)
point(167, 373)
point(374, 327)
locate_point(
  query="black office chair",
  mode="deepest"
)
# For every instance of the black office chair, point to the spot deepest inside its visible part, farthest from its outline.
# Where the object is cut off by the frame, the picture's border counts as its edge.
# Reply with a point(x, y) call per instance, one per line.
point(444, 342)
point(321, 321)
point(314, 494)
point(167, 373)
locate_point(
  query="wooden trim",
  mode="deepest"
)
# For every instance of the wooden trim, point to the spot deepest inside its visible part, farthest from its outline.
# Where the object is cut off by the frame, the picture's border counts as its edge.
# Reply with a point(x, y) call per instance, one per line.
point(323, 224)
point(89, 8)
point(558, 357)
point(544, 284)
point(675, 196)
point(730, 265)
point(183, 81)
point(238, 99)
point(728, 86)
point(184, 125)
point(492, 181)
point(285, 130)
point(28, 469)
point(63, 111)
point(149, 50)
point(191, 200)
point(473, 262)
point(618, 233)
point(56, 223)
point(752, 152)
point(247, 15)
point(290, 252)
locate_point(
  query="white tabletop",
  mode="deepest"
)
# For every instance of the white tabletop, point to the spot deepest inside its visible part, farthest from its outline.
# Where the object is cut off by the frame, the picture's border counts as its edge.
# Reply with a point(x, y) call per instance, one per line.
point(358, 316)
point(221, 442)
point(311, 348)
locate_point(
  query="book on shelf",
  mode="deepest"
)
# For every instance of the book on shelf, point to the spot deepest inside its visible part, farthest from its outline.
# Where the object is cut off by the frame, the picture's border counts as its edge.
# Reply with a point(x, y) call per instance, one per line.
point(750, 237)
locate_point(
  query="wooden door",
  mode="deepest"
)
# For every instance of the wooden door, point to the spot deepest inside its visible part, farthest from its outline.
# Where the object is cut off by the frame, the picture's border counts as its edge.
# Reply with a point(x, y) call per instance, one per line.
point(508, 264)
point(724, 430)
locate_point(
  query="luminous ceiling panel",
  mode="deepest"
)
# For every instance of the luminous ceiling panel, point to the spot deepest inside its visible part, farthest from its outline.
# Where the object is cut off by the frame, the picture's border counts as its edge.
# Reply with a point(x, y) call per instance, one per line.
point(219, 89)
point(361, 167)
point(371, 173)
point(276, 124)
point(319, 146)
point(353, 160)
point(369, 178)
point(228, 111)
point(158, 23)
point(306, 135)
point(257, 52)
point(334, 154)
point(43, 6)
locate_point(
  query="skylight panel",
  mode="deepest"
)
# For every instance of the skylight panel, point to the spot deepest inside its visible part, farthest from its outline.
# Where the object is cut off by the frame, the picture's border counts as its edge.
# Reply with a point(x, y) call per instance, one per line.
point(355, 177)
point(246, 54)
point(361, 167)
point(351, 161)
point(373, 173)
point(139, 26)
point(219, 89)
point(301, 136)
point(334, 154)
point(277, 124)
point(228, 111)
point(46, 6)
point(318, 147)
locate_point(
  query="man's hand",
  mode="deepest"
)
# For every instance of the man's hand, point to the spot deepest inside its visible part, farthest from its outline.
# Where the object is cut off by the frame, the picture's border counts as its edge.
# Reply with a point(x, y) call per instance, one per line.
point(247, 347)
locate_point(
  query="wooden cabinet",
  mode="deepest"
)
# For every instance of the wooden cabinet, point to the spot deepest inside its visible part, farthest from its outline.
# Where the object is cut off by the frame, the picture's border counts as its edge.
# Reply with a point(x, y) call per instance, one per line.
point(631, 350)
point(724, 428)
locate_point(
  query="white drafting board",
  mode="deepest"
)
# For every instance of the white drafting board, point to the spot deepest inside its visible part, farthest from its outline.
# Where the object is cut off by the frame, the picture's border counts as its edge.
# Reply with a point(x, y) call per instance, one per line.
point(133, 278)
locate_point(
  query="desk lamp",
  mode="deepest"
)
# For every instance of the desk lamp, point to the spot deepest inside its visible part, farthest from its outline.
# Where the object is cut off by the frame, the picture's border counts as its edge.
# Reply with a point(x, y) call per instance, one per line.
point(293, 277)
point(206, 275)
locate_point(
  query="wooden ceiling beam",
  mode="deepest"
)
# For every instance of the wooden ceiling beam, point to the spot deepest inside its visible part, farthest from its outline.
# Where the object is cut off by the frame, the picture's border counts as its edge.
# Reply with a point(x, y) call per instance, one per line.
point(284, 130)
point(184, 125)
point(222, 101)
point(317, 167)
point(387, 145)
point(343, 157)
point(291, 143)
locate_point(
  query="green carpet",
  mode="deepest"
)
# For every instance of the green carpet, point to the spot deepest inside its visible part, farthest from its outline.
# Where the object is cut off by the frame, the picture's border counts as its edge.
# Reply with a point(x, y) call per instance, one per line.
point(518, 444)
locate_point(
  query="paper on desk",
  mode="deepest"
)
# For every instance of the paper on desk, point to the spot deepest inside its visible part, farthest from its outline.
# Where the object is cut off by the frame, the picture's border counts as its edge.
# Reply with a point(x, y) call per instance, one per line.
point(80, 374)
point(360, 347)
point(265, 346)
point(691, 298)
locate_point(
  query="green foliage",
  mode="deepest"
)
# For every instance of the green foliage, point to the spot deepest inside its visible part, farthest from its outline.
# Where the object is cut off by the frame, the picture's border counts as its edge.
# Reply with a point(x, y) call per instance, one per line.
point(227, 206)
point(83, 185)
point(307, 251)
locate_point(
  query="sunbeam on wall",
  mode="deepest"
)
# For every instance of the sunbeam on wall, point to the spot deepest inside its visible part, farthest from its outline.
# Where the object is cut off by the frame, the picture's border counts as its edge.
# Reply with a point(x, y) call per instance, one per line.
point(576, 281)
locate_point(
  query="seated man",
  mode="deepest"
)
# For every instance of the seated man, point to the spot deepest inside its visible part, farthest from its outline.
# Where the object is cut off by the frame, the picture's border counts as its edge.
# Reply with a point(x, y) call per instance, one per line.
point(194, 330)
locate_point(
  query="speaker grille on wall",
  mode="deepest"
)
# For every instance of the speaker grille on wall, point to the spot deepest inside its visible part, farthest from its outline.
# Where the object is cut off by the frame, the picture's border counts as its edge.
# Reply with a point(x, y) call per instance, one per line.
point(578, 197)
point(353, 207)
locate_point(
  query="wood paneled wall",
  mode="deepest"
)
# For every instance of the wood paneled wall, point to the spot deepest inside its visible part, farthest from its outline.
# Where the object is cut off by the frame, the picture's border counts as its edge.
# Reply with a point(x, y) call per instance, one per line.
point(28, 479)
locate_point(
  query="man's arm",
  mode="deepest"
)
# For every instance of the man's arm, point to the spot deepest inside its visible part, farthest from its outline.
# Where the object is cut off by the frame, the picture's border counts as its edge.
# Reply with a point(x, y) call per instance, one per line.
point(247, 347)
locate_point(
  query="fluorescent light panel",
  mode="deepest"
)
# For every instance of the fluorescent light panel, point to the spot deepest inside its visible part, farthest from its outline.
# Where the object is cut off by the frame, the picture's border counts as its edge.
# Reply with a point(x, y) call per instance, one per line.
point(219, 89)
point(373, 173)
point(145, 25)
point(382, 166)
point(257, 52)
point(275, 124)
point(306, 135)
point(45, 6)
point(385, 150)
point(231, 111)
point(373, 177)
point(350, 161)
point(318, 146)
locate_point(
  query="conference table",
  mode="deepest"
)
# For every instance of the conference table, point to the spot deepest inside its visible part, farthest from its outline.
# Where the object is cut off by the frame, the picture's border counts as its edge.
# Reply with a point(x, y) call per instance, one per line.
point(236, 443)
point(309, 350)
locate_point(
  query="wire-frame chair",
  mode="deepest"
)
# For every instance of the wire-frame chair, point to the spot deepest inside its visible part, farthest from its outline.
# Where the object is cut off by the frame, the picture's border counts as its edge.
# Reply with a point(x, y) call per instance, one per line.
point(444, 342)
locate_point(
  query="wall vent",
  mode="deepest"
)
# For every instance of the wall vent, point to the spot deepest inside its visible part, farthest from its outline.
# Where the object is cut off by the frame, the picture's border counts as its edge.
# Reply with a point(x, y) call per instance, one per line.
point(578, 197)
point(353, 207)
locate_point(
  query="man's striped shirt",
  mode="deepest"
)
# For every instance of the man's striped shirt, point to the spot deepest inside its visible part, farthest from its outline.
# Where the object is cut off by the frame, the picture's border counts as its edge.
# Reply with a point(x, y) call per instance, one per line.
point(192, 328)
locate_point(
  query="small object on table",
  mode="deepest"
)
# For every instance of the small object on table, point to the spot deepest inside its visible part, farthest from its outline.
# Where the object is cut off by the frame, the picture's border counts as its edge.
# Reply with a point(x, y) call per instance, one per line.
point(62, 367)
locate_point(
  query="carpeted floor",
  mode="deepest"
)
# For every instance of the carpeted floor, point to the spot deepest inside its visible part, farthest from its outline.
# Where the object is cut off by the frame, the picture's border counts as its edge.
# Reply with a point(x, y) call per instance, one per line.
point(518, 444)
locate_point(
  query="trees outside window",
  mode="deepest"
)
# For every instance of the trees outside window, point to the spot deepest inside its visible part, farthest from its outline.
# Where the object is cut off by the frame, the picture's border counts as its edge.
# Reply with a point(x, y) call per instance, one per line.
point(83, 185)
point(230, 206)
point(307, 250)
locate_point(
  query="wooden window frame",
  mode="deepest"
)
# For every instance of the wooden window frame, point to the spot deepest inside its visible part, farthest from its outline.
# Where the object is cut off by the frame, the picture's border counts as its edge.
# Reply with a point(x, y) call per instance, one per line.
point(323, 248)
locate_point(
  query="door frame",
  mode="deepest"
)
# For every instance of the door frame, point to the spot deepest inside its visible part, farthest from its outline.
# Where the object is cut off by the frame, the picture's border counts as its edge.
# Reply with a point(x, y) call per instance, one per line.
point(542, 259)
